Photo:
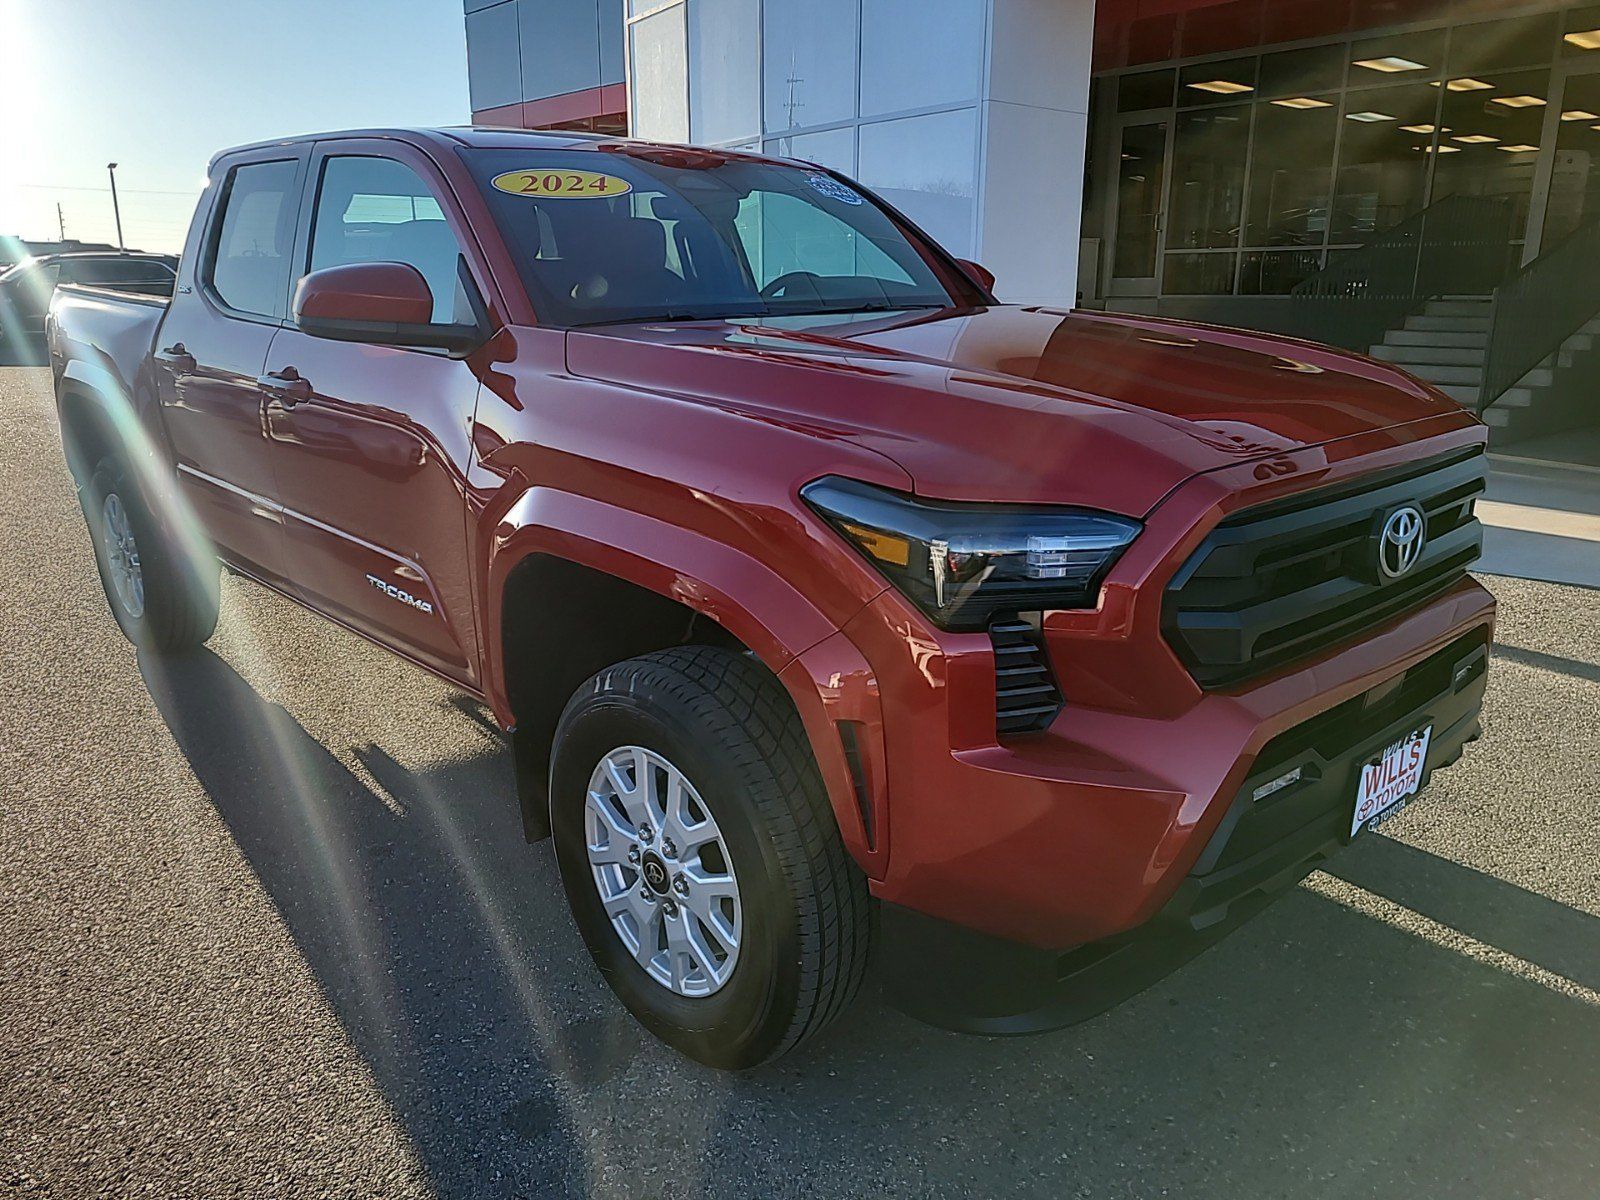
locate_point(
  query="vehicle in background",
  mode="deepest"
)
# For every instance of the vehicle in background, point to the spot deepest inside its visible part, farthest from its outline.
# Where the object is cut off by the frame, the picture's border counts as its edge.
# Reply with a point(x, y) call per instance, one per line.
point(828, 601)
point(26, 288)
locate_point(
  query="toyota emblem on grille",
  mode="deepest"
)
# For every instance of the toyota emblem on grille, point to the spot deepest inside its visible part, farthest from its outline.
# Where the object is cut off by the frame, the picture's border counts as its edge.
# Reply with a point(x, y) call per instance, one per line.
point(1400, 543)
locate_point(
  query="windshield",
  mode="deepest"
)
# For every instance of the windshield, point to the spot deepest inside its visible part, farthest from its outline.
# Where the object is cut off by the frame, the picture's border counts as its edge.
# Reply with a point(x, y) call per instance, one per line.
point(601, 238)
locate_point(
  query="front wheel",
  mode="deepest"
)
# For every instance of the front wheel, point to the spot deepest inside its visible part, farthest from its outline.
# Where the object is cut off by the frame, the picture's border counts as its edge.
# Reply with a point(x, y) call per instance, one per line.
point(701, 858)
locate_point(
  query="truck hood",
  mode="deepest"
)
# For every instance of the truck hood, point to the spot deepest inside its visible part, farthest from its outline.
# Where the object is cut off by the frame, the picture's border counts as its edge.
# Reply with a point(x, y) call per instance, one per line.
point(1023, 404)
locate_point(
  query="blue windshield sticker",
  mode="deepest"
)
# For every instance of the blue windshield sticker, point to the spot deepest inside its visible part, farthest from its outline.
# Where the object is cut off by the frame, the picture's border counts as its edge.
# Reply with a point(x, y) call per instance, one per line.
point(831, 188)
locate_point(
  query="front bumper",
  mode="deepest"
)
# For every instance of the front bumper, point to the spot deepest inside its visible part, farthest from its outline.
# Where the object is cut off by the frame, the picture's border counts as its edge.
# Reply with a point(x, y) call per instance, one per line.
point(1257, 850)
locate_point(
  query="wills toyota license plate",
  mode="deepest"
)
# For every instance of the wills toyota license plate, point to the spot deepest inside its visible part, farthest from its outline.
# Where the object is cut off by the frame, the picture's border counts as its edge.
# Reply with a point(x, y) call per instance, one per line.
point(1387, 784)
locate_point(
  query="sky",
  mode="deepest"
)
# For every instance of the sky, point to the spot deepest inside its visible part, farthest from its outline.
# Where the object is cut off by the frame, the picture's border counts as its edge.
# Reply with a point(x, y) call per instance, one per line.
point(159, 86)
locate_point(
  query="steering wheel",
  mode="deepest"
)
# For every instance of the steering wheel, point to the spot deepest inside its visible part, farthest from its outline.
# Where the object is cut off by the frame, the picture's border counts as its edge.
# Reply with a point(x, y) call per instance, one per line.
point(783, 283)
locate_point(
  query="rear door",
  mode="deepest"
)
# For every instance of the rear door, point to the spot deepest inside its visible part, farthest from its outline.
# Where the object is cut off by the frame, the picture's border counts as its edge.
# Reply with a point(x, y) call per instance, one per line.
point(371, 445)
point(233, 294)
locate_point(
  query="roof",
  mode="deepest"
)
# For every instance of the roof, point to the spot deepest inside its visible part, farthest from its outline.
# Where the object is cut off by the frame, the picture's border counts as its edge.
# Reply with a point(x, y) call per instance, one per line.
point(493, 137)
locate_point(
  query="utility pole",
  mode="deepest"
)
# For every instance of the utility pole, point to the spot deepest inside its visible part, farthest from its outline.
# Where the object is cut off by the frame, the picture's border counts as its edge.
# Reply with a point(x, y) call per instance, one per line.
point(111, 169)
point(61, 221)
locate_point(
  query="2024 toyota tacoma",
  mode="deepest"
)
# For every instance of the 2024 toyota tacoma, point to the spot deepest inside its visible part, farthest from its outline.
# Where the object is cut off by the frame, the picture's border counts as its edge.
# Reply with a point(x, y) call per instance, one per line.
point(832, 605)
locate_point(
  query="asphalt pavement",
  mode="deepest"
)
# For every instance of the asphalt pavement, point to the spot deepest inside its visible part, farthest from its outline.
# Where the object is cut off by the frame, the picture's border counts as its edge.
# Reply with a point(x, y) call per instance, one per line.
point(268, 928)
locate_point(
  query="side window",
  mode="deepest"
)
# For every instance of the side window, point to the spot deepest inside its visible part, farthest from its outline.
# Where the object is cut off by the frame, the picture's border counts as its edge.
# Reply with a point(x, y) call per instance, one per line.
point(379, 210)
point(250, 270)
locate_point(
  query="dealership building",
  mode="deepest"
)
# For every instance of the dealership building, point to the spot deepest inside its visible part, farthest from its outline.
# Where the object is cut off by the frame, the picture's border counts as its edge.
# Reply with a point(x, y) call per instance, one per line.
point(1419, 179)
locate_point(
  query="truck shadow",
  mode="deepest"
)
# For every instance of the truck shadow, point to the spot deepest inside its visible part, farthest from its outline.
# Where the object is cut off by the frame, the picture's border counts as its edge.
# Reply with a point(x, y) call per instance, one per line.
point(1317, 1051)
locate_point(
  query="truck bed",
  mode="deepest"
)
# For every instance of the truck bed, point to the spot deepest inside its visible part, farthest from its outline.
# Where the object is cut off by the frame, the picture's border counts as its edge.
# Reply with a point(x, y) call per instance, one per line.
point(103, 330)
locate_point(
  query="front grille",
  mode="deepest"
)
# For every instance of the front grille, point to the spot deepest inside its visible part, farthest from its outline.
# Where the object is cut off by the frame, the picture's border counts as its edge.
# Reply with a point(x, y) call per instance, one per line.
point(1025, 692)
point(1279, 582)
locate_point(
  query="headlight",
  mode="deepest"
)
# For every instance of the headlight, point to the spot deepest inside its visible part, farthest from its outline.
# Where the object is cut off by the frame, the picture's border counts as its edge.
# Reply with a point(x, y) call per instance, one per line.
point(963, 563)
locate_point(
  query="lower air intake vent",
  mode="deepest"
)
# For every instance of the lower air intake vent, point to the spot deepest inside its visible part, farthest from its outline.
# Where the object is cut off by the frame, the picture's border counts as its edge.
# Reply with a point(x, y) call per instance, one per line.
point(1026, 696)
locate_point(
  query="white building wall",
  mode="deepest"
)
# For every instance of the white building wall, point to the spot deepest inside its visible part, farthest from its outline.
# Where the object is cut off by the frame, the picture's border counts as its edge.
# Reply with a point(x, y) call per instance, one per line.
point(971, 116)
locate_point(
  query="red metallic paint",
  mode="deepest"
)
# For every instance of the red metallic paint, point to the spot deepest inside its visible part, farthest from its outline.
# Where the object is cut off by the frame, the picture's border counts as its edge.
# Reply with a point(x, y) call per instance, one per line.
point(388, 293)
point(671, 455)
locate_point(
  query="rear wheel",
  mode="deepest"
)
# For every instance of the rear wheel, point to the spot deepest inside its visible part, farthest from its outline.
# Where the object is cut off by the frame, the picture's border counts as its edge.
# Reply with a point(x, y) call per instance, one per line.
point(701, 858)
point(163, 598)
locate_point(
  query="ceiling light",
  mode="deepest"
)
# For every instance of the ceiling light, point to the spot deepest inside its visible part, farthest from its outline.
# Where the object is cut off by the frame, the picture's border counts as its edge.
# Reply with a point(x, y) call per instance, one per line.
point(1390, 65)
point(1465, 85)
point(1577, 114)
point(1303, 102)
point(1589, 39)
point(1440, 149)
point(1368, 116)
point(1222, 87)
point(1475, 139)
point(1421, 128)
point(1518, 149)
point(1518, 101)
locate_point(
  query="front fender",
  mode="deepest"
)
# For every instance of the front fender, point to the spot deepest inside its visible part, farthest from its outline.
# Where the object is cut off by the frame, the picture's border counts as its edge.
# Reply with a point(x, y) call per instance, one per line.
point(744, 596)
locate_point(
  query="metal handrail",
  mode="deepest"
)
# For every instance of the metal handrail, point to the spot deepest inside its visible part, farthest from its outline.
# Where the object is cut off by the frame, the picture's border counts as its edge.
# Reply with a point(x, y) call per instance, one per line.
point(1539, 308)
point(1457, 246)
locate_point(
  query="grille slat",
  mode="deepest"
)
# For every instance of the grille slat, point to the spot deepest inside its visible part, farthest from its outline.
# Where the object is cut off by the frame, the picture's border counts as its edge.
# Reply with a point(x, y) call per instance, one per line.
point(1280, 582)
point(1026, 696)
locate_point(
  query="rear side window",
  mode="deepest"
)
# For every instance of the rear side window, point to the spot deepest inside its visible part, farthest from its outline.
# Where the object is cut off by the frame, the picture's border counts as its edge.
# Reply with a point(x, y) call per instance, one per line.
point(250, 268)
point(379, 210)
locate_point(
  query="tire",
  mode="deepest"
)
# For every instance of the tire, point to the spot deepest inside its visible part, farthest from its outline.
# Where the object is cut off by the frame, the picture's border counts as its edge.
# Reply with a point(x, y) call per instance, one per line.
point(174, 608)
point(726, 723)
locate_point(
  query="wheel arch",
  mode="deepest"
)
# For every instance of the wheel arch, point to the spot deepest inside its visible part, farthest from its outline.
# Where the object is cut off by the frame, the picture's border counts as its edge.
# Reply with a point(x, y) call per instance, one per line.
point(576, 585)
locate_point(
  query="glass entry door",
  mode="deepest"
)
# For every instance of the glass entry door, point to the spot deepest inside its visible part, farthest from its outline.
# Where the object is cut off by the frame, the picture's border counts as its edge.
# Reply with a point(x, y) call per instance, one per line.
point(1573, 191)
point(1141, 205)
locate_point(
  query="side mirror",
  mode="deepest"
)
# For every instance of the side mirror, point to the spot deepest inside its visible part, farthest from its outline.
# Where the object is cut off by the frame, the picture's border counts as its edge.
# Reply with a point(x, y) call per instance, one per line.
point(388, 303)
point(980, 274)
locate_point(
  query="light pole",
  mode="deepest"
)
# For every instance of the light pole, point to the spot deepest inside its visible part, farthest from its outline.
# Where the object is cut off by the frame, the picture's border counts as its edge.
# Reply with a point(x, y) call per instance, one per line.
point(111, 169)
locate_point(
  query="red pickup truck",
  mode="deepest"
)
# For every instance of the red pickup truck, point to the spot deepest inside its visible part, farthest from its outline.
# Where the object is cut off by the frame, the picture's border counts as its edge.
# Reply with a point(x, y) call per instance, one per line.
point(832, 606)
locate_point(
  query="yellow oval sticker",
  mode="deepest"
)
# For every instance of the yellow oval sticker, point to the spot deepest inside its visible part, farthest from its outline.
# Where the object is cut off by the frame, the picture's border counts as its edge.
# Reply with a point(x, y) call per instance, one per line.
point(561, 185)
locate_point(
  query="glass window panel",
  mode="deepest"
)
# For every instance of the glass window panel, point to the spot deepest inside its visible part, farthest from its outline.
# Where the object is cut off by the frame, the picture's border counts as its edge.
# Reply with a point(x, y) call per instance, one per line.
point(494, 64)
point(724, 74)
point(919, 53)
point(1276, 272)
point(1292, 173)
point(1383, 168)
point(1147, 89)
point(1484, 135)
point(1302, 72)
point(559, 46)
point(660, 91)
point(1208, 178)
point(251, 268)
point(1199, 274)
point(379, 210)
point(926, 167)
point(1140, 178)
point(1575, 182)
point(1380, 61)
point(1582, 37)
point(1216, 82)
point(1519, 42)
point(808, 62)
point(834, 148)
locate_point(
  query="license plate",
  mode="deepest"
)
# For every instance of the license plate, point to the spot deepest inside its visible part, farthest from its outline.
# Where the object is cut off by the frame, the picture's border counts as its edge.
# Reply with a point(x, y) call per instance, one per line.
point(1387, 784)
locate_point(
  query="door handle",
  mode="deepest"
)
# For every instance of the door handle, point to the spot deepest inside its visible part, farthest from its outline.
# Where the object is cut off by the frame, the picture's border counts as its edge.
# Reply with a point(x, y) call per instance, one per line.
point(287, 386)
point(177, 358)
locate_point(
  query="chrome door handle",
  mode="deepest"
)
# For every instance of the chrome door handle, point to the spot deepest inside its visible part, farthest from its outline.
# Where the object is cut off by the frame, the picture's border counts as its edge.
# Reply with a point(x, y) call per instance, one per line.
point(287, 386)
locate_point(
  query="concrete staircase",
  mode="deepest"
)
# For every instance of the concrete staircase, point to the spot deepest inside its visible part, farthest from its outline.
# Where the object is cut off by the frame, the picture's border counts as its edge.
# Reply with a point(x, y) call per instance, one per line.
point(1446, 344)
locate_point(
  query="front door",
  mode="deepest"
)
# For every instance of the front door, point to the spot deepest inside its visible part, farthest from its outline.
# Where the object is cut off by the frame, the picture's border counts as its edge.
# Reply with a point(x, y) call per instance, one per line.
point(231, 299)
point(1140, 217)
point(369, 443)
